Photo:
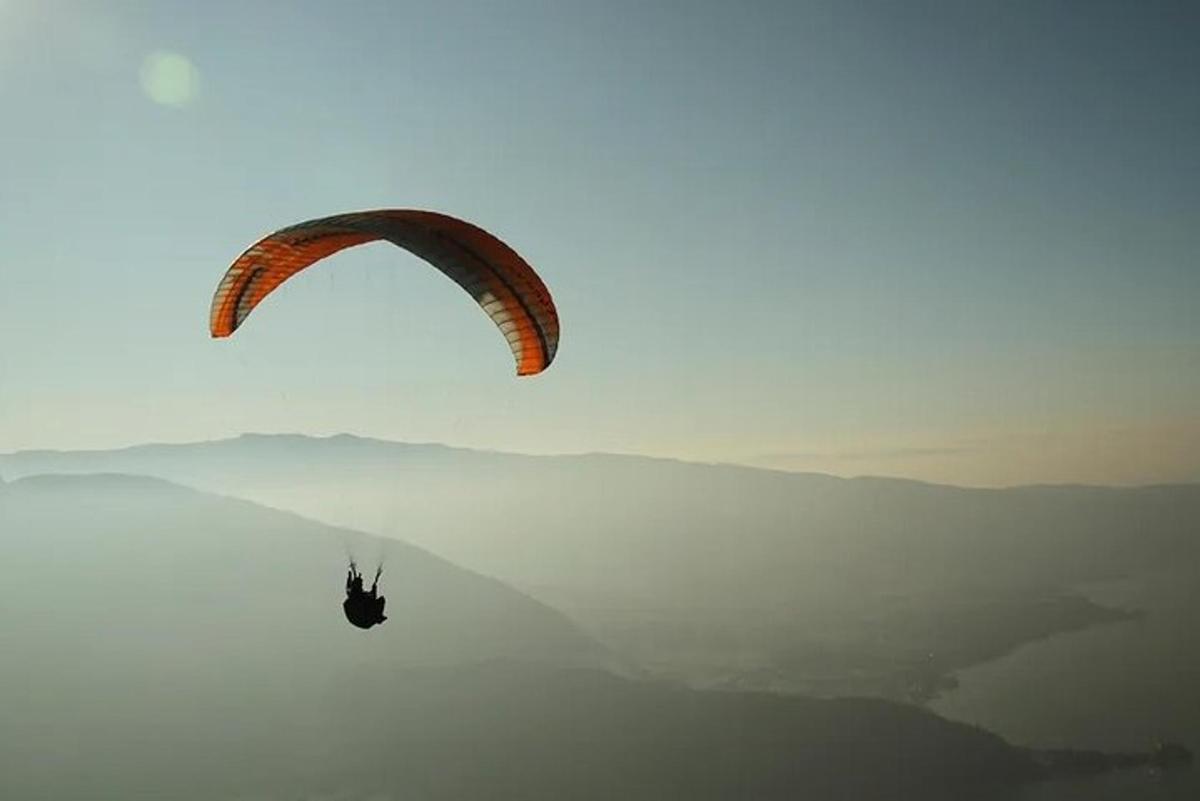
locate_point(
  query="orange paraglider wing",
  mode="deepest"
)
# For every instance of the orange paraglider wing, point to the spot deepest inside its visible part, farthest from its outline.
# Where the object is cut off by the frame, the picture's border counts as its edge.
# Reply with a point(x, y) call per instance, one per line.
point(499, 280)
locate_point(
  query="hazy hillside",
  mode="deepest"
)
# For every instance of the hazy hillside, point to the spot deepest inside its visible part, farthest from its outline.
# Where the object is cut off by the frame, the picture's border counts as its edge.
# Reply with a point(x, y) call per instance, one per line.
point(720, 573)
point(162, 643)
point(96, 568)
point(585, 734)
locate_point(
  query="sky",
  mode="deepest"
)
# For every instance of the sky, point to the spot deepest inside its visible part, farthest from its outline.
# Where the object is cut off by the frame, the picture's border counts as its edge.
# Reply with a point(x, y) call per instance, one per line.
point(948, 241)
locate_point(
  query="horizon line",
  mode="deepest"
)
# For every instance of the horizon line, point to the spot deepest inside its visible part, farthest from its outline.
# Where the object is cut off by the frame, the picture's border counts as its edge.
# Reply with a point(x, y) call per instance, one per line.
point(346, 435)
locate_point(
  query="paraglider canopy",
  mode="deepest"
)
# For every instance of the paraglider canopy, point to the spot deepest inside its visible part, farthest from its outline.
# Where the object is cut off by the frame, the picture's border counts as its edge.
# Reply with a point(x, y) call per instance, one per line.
point(499, 280)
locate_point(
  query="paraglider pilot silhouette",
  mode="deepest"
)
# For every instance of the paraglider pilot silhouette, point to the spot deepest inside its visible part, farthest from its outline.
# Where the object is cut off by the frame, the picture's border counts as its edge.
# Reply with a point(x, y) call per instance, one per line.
point(363, 608)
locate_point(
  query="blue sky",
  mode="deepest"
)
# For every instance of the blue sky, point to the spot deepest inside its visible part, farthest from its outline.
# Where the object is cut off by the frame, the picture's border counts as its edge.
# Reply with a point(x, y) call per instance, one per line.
point(953, 241)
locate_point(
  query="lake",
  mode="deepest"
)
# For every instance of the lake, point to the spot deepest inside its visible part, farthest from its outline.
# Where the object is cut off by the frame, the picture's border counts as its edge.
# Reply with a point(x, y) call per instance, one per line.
point(1113, 687)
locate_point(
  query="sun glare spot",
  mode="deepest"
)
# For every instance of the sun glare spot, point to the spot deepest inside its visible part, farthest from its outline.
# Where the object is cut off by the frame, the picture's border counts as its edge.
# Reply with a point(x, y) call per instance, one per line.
point(169, 79)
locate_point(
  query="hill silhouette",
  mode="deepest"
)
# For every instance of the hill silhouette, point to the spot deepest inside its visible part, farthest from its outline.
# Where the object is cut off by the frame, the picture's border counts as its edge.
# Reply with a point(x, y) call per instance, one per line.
point(586, 734)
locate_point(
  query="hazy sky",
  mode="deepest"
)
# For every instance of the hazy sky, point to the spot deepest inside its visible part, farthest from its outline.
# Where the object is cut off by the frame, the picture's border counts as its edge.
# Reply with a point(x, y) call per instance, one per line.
point(955, 241)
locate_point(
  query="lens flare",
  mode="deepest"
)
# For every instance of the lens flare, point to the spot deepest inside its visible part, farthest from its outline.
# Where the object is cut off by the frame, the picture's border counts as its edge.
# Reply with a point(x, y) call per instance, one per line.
point(169, 79)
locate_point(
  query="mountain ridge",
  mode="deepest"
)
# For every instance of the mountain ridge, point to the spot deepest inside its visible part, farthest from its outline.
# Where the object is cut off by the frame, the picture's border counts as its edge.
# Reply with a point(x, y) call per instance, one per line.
point(431, 446)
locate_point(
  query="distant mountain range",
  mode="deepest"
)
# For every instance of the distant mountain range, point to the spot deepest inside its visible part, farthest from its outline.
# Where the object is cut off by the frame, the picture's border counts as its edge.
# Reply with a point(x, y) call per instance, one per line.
point(719, 574)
